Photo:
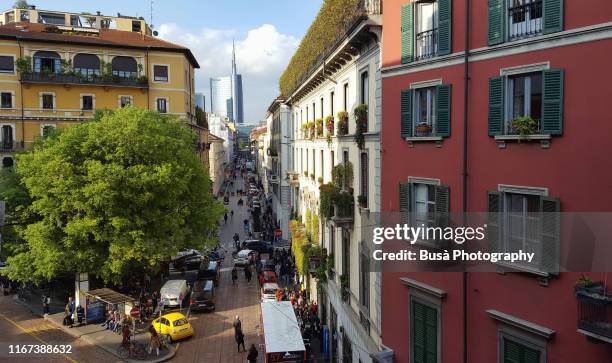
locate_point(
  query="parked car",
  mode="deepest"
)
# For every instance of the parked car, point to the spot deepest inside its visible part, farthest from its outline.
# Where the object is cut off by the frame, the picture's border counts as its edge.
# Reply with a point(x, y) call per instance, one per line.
point(173, 292)
point(268, 291)
point(267, 276)
point(244, 257)
point(257, 245)
point(210, 271)
point(173, 326)
point(188, 263)
point(186, 253)
point(203, 296)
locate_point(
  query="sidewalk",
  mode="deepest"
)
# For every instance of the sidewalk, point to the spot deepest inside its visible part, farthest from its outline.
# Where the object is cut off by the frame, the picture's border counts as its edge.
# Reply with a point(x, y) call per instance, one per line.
point(107, 340)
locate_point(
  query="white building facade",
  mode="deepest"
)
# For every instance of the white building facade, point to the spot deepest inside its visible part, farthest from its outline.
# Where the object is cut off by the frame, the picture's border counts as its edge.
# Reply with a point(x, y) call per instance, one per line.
point(217, 162)
point(219, 126)
point(348, 79)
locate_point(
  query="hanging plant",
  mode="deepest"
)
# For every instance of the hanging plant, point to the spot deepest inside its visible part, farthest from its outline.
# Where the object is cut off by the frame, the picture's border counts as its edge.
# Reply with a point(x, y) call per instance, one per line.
point(329, 124)
point(361, 124)
point(319, 127)
point(343, 117)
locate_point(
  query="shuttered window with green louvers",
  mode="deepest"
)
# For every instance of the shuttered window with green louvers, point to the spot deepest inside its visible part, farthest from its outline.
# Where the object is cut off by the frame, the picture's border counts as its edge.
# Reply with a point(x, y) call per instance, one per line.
point(511, 20)
point(407, 29)
point(423, 333)
point(515, 352)
point(428, 108)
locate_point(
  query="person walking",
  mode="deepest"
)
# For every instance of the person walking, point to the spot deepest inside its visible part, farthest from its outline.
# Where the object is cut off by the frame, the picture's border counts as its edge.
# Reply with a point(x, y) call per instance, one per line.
point(247, 273)
point(80, 313)
point(154, 341)
point(232, 214)
point(225, 217)
point(252, 357)
point(46, 301)
point(238, 335)
point(234, 275)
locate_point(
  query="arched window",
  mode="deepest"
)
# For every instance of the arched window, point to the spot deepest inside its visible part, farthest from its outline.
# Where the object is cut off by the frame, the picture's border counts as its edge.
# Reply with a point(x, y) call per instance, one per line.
point(45, 61)
point(86, 64)
point(125, 67)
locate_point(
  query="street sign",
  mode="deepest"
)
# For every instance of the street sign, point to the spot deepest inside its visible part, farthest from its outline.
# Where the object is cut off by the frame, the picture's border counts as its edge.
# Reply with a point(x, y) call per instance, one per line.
point(135, 312)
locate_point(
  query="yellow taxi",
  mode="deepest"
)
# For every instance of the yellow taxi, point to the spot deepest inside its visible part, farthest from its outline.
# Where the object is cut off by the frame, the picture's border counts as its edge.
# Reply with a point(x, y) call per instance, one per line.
point(173, 326)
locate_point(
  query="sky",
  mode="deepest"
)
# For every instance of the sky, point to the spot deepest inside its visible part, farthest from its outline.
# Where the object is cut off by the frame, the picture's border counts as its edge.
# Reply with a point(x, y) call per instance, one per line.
point(266, 32)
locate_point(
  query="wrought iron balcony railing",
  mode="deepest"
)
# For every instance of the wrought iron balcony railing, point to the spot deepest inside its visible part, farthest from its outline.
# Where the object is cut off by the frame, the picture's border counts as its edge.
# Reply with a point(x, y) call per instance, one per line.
point(525, 20)
point(93, 80)
point(595, 312)
point(427, 44)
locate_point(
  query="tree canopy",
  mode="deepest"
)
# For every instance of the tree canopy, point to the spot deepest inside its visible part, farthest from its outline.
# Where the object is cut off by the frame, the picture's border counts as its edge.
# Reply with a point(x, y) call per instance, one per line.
point(21, 4)
point(125, 188)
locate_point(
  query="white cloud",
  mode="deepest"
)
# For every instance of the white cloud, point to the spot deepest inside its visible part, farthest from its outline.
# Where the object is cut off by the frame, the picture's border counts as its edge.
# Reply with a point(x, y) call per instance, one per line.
point(260, 58)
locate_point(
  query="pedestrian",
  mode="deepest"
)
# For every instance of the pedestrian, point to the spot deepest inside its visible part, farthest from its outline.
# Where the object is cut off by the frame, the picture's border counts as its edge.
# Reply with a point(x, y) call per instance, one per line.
point(67, 316)
point(234, 275)
point(252, 357)
point(225, 217)
point(232, 213)
point(247, 273)
point(154, 342)
point(46, 300)
point(237, 324)
point(80, 312)
point(240, 340)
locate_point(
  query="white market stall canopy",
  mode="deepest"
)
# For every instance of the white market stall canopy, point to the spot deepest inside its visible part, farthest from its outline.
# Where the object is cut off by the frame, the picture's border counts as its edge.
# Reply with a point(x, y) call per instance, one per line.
point(281, 329)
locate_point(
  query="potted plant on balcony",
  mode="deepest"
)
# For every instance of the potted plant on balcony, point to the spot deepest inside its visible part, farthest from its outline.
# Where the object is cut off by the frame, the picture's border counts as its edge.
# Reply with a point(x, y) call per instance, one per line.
point(362, 201)
point(423, 128)
point(525, 126)
point(312, 176)
point(143, 80)
point(306, 174)
point(319, 127)
point(320, 180)
point(343, 117)
point(329, 124)
point(361, 124)
point(586, 285)
point(24, 65)
point(311, 130)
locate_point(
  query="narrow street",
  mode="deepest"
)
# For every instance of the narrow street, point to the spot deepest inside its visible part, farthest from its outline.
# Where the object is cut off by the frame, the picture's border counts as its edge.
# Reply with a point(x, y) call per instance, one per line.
point(19, 326)
point(214, 334)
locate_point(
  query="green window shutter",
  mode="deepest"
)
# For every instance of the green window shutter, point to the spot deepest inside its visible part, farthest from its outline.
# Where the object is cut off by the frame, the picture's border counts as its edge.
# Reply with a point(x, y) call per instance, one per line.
point(407, 20)
point(443, 110)
point(423, 333)
point(404, 202)
point(497, 22)
point(550, 229)
point(494, 221)
point(515, 352)
point(496, 106)
point(406, 110)
point(444, 27)
point(552, 102)
point(442, 198)
point(552, 12)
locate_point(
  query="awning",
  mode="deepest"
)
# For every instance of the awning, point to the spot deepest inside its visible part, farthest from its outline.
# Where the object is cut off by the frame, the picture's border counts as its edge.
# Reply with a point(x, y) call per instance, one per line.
point(109, 296)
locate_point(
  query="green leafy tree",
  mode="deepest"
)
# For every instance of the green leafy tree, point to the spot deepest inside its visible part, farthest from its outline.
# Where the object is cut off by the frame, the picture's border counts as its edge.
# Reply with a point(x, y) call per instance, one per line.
point(123, 190)
point(21, 4)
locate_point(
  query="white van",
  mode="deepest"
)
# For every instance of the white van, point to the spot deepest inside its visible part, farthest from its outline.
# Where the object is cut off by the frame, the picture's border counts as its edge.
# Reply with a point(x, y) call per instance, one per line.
point(173, 292)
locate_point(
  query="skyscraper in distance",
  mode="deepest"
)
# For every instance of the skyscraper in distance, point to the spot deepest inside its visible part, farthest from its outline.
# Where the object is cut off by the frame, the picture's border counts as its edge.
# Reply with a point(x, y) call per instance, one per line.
point(201, 101)
point(226, 94)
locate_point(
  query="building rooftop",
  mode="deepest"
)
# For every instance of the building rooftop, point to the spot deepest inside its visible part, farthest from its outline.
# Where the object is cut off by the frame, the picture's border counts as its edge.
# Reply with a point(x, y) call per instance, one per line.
point(47, 33)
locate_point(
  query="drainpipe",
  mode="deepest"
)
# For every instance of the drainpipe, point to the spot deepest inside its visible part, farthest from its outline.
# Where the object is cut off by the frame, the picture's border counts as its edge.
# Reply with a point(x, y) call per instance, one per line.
point(21, 90)
point(148, 80)
point(466, 79)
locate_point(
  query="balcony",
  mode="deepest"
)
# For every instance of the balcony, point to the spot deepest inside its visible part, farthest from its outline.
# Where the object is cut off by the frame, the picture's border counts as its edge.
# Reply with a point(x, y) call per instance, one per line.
point(293, 178)
point(525, 20)
point(427, 44)
point(344, 210)
point(595, 312)
point(69, 79)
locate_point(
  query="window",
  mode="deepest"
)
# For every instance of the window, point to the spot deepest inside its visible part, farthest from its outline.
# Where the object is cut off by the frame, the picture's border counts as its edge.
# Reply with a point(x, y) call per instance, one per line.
point(6, 100)
point(424, 111)
point(331, 103)
point(7, 137)
point(87, 102)
point(162, 105)
point(10, 17)
point(24, 16)
point(525, 218)
point(87, 65)
point(314, 163)
point(7, 64)
point(160, 73)
point(424, 331)
point(426, 29)
point(48, 101)
point(136, 26)
point(321, 107)
point(332, 241)
point(425, 202)
point(7, 162)
point(125, 67)
point(363, 178)
point(322, 165)
point(520, 347)
point(524, 18)
point(524, 99)
point(365, 89)
point(47, 62)
point(125, 101)
point(346, 254)
point(364, 278)
point(46, 129)
point(314, 111)
point(345, 90)
point(332, 160)
point(50, 18)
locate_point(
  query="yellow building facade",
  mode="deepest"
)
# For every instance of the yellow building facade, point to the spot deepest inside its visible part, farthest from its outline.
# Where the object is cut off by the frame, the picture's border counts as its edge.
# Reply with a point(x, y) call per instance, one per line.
point(53, 76)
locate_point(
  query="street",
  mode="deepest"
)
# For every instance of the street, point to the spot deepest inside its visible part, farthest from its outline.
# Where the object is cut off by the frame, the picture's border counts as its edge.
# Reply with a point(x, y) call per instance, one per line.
point(214, 334)
point(19, 326)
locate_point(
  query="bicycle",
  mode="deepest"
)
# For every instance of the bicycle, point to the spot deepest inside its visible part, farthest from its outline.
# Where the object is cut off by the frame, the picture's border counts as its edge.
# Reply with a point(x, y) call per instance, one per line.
point(132, 350)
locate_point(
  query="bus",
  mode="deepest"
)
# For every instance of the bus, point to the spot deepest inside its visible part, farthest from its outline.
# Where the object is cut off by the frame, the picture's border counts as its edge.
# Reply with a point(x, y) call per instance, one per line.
point(282, 337)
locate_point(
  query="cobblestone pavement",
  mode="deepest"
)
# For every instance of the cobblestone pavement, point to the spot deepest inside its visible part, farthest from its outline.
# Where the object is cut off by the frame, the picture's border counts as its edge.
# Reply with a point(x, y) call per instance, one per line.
point(19, 326)
point(214, 334)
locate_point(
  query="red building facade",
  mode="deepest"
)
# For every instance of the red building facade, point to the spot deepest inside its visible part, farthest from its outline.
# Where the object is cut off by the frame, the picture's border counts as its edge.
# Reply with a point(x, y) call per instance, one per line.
point(536, 141)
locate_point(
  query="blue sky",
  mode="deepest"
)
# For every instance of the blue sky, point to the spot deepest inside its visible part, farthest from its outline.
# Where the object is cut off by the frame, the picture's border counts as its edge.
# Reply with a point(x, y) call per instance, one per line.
point(266, 32)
